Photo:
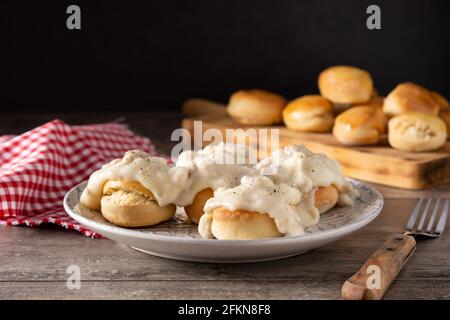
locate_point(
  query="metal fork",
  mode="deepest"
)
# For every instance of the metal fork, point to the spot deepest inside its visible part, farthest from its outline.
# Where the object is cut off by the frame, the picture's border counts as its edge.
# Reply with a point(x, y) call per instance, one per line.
point(416, 222)
point(377, 274)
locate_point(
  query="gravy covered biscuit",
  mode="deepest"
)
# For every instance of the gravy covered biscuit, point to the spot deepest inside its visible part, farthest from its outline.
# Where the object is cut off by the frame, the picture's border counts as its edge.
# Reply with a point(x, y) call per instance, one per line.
point(293, 188)
point(310, 113)
point(417, 132)
point(257, 209)
point(256, 107)
point(137, 190)
point(362, 125)
point(345, 85)
point(311, 173)
point(130, 204)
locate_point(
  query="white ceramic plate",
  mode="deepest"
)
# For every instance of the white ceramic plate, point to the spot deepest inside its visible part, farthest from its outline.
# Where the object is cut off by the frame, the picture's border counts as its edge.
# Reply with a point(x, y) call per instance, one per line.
point(179, 239)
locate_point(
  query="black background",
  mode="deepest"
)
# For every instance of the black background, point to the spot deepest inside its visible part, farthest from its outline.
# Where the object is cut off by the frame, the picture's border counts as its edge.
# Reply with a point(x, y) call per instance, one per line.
point(150, 55)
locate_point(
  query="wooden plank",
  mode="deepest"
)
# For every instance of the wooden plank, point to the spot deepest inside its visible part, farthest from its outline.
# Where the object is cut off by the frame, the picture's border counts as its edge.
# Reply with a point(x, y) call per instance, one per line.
point(379, 164)
point(216, 289)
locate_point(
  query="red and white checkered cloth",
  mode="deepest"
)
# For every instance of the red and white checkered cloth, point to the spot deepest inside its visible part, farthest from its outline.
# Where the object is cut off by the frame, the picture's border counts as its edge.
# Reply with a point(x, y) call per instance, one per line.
point(38, 167)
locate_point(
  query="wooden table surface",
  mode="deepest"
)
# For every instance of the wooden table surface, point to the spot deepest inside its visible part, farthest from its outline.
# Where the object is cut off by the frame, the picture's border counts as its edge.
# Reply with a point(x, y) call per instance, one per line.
point(33, 261)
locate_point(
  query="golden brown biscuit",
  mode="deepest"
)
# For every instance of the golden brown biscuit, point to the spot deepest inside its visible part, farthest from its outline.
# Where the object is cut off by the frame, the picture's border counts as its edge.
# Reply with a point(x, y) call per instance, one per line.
point(325, 198)
point(256, 107)
point(360, 125)
point(415, 131)
point(195, 210)
point(130, 204)
point(310, 113)
point(242, 225)
point(345, 85)
point(376, 101)
point(410, 97)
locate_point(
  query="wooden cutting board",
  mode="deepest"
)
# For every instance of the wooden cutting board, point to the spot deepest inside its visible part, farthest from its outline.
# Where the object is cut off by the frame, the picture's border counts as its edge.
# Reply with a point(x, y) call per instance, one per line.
point(379, 164)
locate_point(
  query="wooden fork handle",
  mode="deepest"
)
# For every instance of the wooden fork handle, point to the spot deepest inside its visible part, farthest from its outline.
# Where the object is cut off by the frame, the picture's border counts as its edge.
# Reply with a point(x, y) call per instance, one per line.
point(377, 274)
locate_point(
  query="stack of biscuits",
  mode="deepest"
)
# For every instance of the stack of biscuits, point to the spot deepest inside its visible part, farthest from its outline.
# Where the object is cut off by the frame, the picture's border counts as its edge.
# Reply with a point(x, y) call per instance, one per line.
point(414, 118)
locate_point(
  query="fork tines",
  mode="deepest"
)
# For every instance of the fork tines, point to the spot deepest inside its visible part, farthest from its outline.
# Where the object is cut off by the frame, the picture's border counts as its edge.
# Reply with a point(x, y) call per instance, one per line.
point(435, 214)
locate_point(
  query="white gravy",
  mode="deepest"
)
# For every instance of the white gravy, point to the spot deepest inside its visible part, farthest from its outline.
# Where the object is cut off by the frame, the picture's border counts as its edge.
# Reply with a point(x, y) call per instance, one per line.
point(216, 166)
point(305, 170)
point(165, 182)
